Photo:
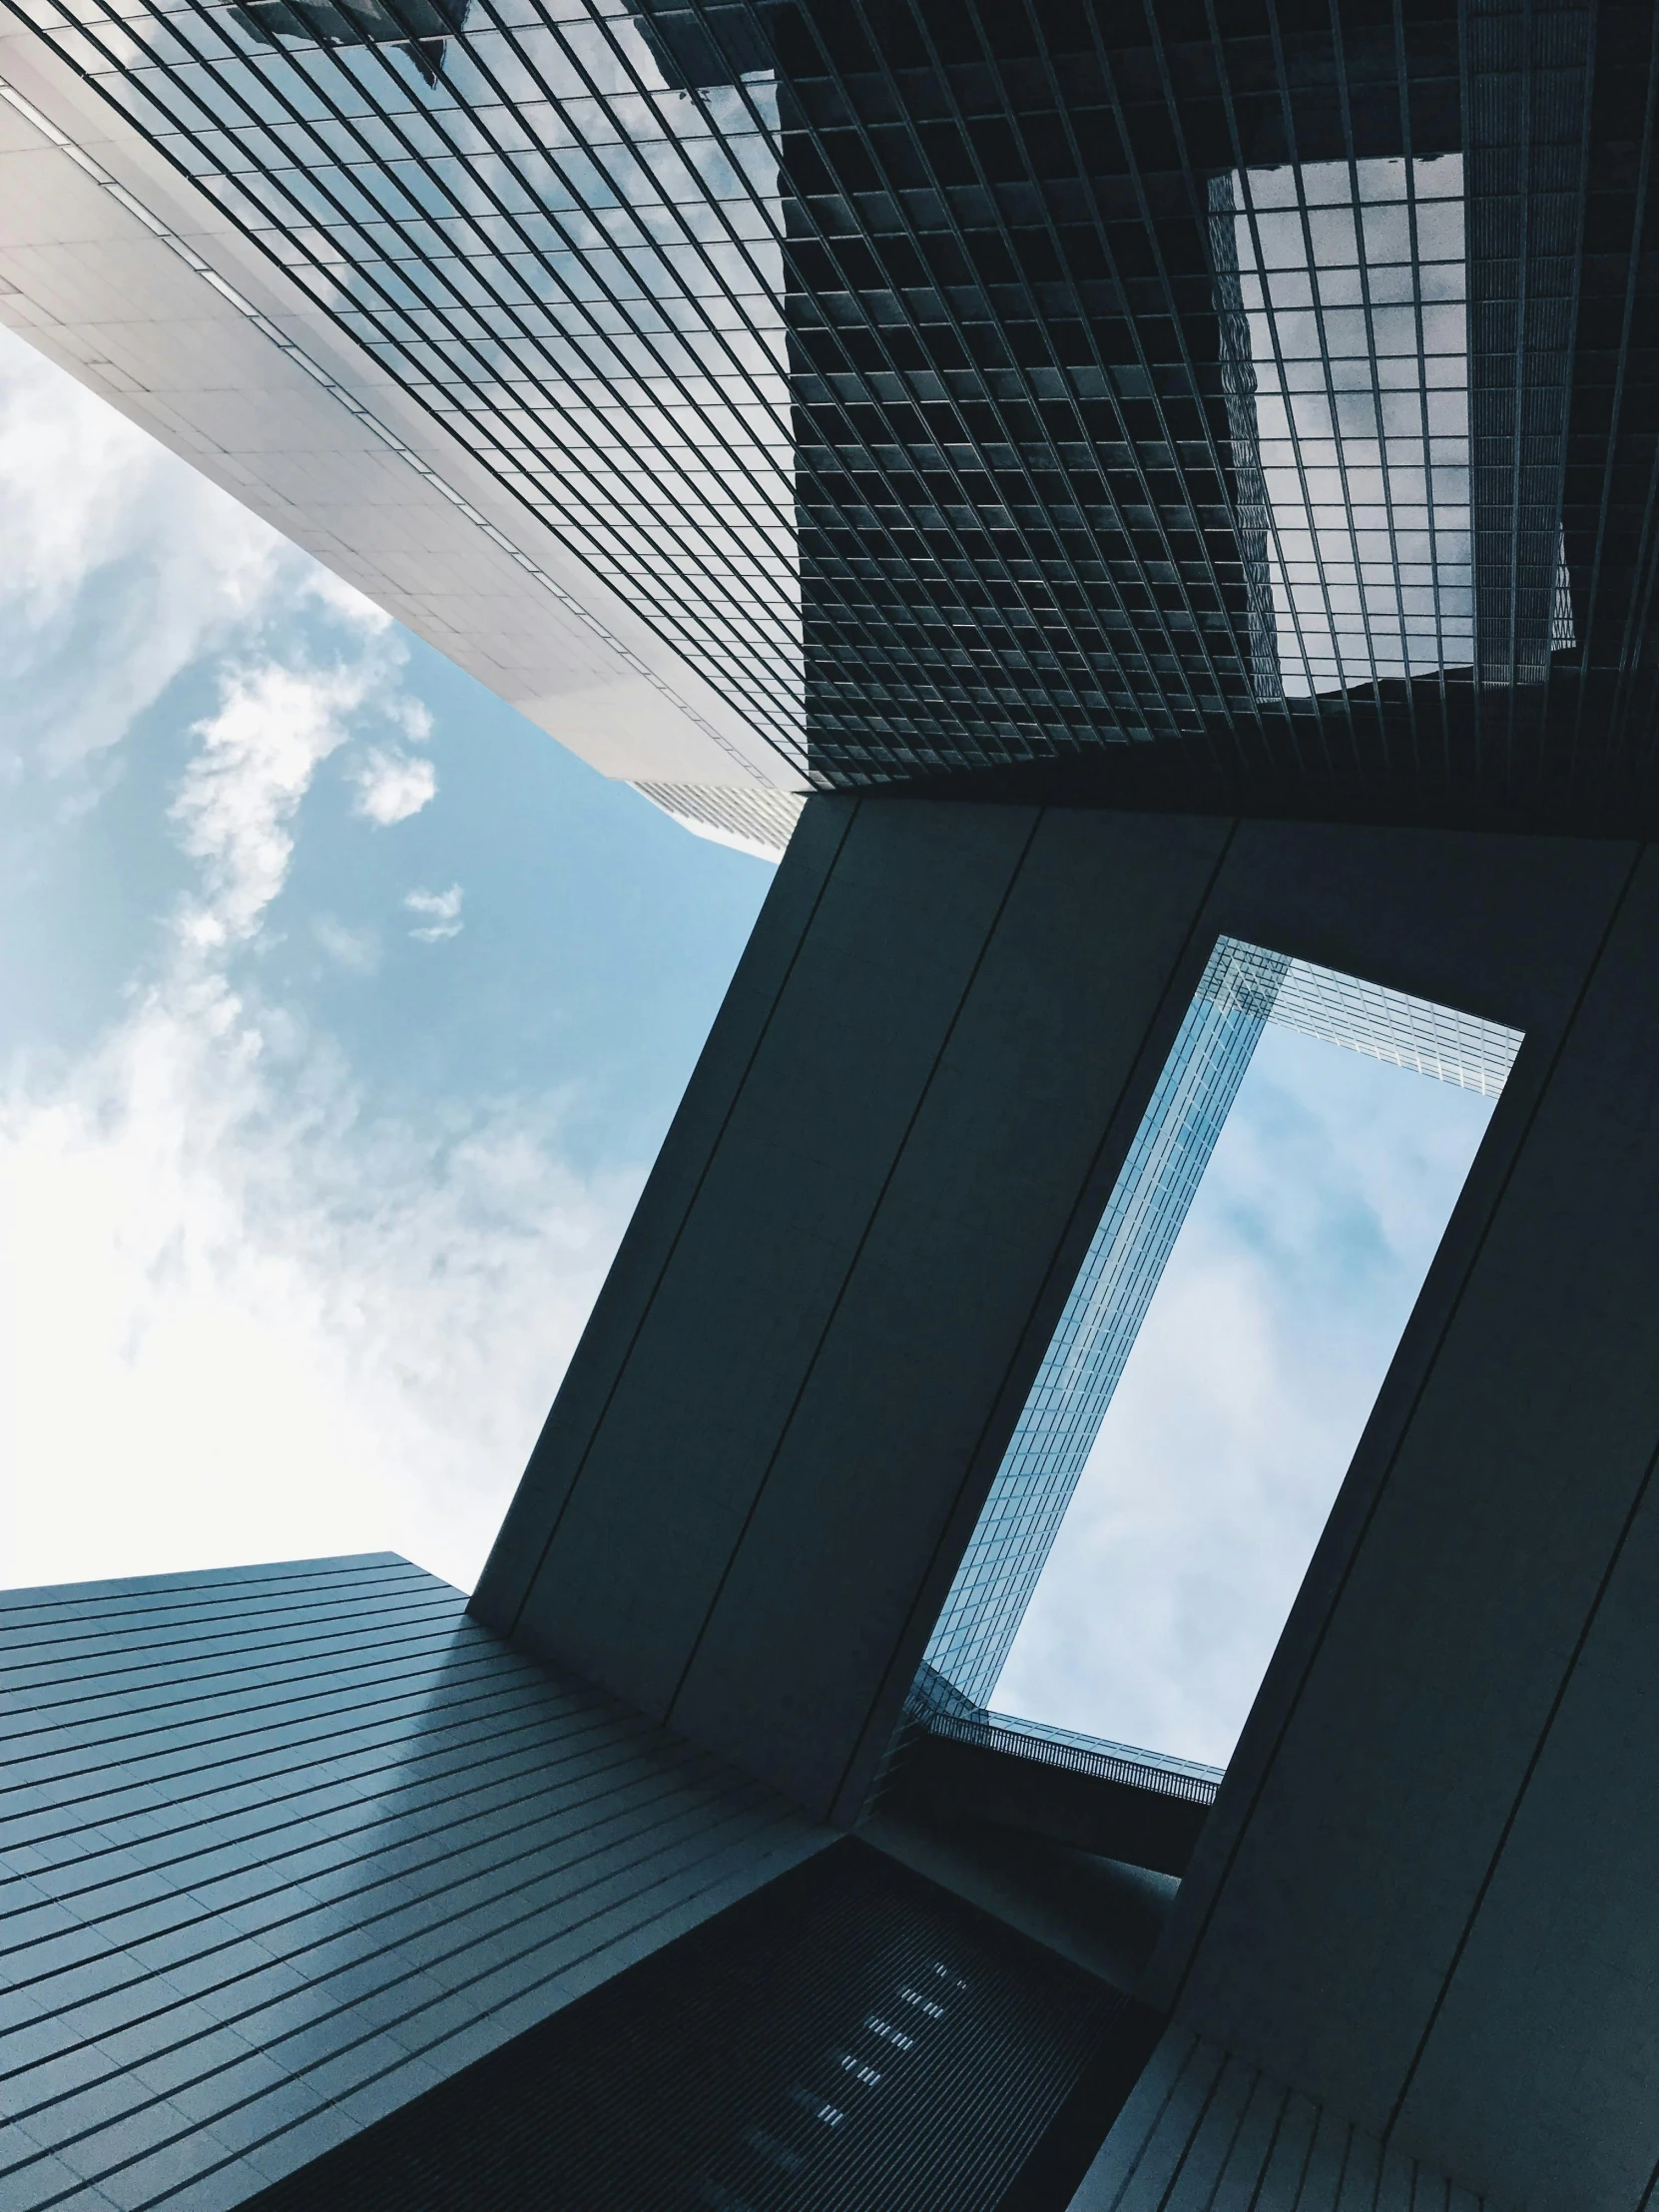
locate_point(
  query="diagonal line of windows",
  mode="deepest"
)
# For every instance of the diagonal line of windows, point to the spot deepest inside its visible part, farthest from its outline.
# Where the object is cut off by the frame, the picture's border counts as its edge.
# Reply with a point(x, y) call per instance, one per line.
point(1637, 263)
point(1033, 398)
point(1198, 194)
point(960, 239)
point(1321, 725)
point(1290, 128)
point(933, 478)
point(1415, 261)
point(1378, 445)
point(703, 549)
point(816, 486)
point(1228, 695)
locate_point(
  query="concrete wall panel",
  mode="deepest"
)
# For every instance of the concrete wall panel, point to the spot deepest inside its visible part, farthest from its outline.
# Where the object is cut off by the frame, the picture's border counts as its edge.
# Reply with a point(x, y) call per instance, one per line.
point(658, 1219)
point(1417, 1902)
point(834, 1587)
point(1541, 2057)
point(1385, 1807)
point(670, 1477)
point(1539, 2067)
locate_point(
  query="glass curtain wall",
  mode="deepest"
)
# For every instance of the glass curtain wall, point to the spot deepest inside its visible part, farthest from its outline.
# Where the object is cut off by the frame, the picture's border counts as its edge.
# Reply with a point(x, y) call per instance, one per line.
point(958, 385)
point(571, 260)
point(1348, 362)
point(1102, 1318)
point(1243, 988)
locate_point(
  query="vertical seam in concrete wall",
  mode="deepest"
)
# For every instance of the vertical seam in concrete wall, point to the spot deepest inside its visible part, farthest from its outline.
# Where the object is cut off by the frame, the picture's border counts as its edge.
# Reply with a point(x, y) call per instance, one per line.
point(1201, 908)
point(1149, 2129)
point(1178, 2168)
point(1350, 2136)
point(649, 1299)
point(851, 1268)
point(1431, 1364)
point(1270, 2154)
point(1498, 1849)
point(1525, 1784)
point(1307, 2158)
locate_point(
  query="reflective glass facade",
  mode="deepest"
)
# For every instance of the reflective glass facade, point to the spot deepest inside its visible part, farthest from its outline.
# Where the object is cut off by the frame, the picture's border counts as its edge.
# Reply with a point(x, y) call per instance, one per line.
point(1103, 1316)
point(1406, 1032)
point(1229, 406)
point(1244, 986)
point(962, 386)
point(1349, 346)
point(571, 265)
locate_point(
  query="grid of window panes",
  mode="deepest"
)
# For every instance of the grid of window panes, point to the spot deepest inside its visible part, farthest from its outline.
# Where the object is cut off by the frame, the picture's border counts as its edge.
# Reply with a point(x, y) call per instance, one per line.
point(756, 401)
point(1439, 1041)
point(793, 359)
point(897, 363)
point(1353, 319)
point(572, 265)
point(1103, 1316)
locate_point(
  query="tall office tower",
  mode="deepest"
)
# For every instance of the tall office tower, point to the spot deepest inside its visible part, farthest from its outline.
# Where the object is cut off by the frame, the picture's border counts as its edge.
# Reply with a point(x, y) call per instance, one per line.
point(1155, 504)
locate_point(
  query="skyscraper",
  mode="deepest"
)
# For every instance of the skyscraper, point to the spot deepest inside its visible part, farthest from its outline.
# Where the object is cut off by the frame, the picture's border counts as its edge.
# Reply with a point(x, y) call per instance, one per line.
point(1159, 502)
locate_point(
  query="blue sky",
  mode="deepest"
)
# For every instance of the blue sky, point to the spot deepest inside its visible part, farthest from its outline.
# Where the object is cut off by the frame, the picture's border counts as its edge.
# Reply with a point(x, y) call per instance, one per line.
point(1242, 1398)
point(342, 1013)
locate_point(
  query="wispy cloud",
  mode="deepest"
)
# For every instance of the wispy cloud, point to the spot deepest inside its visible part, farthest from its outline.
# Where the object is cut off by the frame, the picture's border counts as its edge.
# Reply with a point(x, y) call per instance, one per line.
point(122, 567)
point(241, 792)
point(442, 911)
point(246, 1309)
point(250, 1316)
point(245, 1317)
point(1242, 1400)
point(355, 950)
point(393, 786)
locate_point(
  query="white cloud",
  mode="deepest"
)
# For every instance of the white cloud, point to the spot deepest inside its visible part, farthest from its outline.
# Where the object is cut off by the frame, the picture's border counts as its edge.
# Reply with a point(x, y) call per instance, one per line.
point(249, 1320)
point(345, 600)
point(122, 567)
point(247, 1317)
point(443, 912)
point(1243, 1400)
point(393, 786)
point(245, 1313)
point(236, 804)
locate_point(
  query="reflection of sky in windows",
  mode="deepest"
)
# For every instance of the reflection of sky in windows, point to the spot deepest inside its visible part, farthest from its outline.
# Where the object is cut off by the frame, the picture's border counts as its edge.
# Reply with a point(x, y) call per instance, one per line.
point(1243, 988)
point(578, 269)
point(1349, 314)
